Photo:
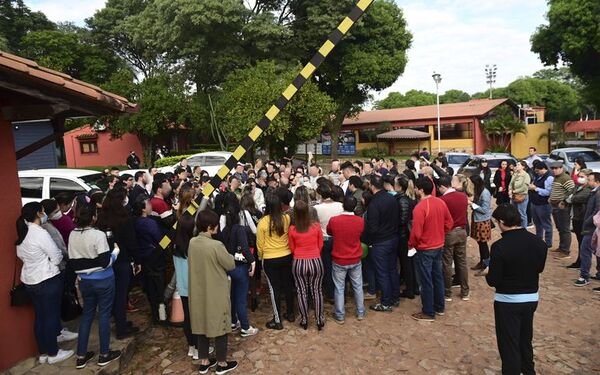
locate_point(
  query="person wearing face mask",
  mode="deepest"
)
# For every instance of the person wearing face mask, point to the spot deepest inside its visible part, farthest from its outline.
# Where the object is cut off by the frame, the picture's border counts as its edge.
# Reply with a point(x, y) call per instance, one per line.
point(42, 279)
point(539, 192)
point(579, 200)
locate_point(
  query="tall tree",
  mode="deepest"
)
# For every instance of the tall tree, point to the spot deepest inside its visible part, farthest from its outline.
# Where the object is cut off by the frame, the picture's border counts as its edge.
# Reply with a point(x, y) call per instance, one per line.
point(572, 37)
point(412, 98)
point(17, 20)
point(369, 58)
point(500, 126)
point(247, 93)
point(454, 96)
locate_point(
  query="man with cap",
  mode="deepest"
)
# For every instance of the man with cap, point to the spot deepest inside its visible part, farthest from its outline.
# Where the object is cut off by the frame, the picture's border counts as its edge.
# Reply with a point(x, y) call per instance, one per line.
point(539, 192)
point(562, 187)
point(133, 162)
point(240, 173)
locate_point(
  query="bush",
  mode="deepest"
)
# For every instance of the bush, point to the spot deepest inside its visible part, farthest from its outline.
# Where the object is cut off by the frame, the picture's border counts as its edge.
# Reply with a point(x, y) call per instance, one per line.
point(169, 160)
point(373, 153)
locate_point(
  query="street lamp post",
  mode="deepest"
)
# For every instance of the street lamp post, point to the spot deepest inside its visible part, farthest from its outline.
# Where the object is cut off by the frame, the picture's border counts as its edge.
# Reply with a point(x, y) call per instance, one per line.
point(490, 75)
point(437, 78)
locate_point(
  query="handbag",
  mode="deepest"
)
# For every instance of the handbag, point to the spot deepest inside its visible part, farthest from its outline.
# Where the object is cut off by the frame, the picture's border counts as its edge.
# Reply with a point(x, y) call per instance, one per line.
point(19, 295)
point(519, 198)
point(70, 309)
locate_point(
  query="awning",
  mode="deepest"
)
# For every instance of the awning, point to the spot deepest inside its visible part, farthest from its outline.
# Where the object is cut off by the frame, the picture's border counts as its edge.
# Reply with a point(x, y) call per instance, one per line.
point(582, 126)
point(87, 136)
point(403, 134)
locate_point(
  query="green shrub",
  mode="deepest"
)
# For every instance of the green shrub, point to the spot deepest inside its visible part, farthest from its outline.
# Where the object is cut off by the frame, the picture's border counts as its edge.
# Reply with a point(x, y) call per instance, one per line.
point(373, 152)
point(169, 160)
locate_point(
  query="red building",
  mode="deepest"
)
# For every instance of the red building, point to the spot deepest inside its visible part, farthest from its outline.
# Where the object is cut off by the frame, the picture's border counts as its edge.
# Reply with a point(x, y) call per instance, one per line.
point(31, 92)
point(89, 147)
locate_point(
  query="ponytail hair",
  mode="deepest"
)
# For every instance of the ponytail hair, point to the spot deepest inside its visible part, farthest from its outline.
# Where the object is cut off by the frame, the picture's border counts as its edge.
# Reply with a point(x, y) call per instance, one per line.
point(28, 214)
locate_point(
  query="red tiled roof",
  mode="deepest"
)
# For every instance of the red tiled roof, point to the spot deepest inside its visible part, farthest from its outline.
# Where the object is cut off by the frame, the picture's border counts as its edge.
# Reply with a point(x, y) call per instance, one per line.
point(403, 134)
point(473, 108)
point(582, 126)
point(24, 66)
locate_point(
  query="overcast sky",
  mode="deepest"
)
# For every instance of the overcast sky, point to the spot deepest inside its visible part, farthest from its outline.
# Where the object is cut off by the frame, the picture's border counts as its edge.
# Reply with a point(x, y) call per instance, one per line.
point(456, 38)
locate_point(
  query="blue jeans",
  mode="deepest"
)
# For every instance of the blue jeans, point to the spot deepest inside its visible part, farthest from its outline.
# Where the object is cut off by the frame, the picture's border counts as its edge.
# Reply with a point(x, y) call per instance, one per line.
point(429, 267)
point(585, 254)
point(354, 271)
point(384, 257)
point(522, 207)
point(240, 282)
point(46, 298)
point(96, 294)
point(542, 219)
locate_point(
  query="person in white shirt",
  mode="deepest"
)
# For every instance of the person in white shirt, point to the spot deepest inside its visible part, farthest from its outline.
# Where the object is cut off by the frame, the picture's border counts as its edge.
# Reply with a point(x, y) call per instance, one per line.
point(42, 279)
point(532, 157)
point(327, 209)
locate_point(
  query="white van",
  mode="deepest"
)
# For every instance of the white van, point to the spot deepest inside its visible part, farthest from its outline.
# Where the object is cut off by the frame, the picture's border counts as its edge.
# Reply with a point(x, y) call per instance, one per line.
point(39, 184)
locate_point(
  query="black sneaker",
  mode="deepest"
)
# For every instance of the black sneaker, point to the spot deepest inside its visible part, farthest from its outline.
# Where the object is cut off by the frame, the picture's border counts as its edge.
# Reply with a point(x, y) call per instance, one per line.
point(204, 368)
point(129, 331)
point(273, 325)
point(105, 359)
point(381, 308)
point(597, 290)
point(231, 365)
point(83, 361)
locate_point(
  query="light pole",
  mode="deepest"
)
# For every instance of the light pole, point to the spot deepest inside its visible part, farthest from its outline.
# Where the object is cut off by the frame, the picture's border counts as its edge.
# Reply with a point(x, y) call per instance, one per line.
point(437, 78)
point(490, 75)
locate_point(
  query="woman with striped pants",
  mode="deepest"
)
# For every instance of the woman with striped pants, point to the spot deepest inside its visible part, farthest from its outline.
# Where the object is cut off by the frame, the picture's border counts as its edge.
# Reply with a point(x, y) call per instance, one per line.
point(306, 241)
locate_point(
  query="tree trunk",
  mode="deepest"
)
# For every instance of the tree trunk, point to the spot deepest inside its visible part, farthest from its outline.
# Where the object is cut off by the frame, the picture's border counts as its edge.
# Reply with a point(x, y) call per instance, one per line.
point(268, 147)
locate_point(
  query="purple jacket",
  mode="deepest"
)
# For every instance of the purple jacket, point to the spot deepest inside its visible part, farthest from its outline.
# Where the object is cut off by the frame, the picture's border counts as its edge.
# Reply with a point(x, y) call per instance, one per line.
point(65, 226)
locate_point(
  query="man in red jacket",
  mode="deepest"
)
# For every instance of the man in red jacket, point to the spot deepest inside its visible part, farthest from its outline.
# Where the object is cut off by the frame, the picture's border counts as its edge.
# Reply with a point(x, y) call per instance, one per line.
point(346, 230)
point(431, 222)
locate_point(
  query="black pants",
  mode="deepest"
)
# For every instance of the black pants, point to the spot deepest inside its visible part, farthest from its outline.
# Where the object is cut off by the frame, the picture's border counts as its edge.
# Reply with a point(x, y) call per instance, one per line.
point(220, 347)
point(122, 272)
point(514, 332)
point(327, 266)
point(192, 339)
point(281, 281)
point(153, 275)
point(577, 228)
point(407, 268)
point(484, 251)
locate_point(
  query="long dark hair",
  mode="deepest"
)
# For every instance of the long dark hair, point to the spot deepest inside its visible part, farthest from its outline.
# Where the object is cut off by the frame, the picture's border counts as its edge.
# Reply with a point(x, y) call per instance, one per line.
point(231, 211)
point(301, 194)
point(478, 187)
point(29, 213)
point(273, 209)
point(248, 203)
point(113, 214)
point(301, 216)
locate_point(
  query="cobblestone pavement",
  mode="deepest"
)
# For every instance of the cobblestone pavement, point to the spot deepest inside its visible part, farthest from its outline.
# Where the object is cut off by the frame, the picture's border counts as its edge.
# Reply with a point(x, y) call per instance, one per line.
point(566, 337)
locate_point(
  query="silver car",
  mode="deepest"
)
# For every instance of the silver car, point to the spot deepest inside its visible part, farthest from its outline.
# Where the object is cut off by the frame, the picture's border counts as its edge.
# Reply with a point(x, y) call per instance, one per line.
point(569, 154)
point(456, 159)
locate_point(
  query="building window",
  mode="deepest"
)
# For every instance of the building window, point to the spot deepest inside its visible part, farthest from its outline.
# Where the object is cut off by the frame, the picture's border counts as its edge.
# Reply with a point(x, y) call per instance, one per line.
point(454, 131)
point(88, 147)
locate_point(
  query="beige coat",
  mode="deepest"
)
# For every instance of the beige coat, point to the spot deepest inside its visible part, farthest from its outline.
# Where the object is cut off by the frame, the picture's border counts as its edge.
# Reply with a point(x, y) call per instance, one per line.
point(208, 286)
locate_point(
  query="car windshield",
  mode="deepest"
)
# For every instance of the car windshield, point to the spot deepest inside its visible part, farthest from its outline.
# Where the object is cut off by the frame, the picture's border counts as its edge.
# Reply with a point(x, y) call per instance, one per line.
point(457, 159)
point(587, 156)
point(92, 180)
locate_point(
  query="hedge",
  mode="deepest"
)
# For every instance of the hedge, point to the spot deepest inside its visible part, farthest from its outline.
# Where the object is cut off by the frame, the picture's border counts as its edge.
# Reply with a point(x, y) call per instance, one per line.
point(373, 153)
point(170, 160)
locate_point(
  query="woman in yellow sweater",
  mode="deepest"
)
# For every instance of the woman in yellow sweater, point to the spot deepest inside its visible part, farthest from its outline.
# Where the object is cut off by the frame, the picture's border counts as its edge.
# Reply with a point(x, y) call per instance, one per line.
point(274, 251)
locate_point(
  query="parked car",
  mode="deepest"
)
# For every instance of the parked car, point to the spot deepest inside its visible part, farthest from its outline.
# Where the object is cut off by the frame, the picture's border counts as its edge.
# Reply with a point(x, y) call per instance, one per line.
point(39, 184)
point(471, 166)
point(208, 161)
point(456, 159)
point(543, 156)
point(569, 154)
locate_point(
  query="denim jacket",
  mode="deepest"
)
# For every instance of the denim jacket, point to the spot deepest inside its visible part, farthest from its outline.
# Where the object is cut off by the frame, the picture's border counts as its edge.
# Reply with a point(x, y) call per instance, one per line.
point(484, 211)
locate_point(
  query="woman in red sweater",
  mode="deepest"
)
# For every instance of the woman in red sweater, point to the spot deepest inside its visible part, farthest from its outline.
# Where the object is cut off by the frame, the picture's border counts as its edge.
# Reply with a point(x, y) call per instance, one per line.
point(306, 240)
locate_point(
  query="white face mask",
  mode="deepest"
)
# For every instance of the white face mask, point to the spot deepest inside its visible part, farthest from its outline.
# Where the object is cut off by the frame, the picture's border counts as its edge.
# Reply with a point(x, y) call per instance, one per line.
point(57, 215)
point(44, 219)
point(126, 201)
point(582, 180)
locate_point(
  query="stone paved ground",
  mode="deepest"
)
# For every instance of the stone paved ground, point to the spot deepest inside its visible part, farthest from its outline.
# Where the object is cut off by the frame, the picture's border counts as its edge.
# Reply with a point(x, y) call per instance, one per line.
point(566, 337)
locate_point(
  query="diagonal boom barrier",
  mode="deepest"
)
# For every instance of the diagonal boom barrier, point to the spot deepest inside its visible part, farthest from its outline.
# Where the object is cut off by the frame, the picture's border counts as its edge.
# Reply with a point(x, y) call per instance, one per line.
point(332, 40)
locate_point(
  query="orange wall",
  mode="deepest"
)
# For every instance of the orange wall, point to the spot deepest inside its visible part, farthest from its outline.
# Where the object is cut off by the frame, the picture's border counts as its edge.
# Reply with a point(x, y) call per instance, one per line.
point(17, 341)
point(110, 151)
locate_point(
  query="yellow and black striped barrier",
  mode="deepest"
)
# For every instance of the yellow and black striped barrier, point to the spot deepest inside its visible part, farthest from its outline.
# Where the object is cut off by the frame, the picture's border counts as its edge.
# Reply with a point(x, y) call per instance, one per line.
point(332, 40)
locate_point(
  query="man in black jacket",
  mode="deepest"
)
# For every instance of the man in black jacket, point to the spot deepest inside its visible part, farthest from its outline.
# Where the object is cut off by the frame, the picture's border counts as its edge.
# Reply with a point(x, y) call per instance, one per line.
point(133, 162)
point(517, 259)
point(381, 229)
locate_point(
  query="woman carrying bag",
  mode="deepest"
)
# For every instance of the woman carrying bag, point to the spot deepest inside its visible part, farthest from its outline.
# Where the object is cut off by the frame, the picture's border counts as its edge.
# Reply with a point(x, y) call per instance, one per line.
point(519, 190)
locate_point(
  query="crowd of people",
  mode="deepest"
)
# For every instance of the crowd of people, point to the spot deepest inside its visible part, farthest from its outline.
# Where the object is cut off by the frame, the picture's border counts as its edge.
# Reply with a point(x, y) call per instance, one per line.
point(306, 233)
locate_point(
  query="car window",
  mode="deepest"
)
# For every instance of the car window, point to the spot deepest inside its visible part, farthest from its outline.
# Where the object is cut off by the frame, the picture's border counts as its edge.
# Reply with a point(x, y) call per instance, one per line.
point(195, 160)
point(457, 159)
point(211, 161)
point(60, 185)
point(472, 163)
point(93, 180)
point(494, 163)
point(31, 187)
point(587, 156)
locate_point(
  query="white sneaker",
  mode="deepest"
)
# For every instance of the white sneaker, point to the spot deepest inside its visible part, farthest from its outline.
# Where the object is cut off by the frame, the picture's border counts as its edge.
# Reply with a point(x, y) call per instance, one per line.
point(66, 335)
point(60, 356)
point(211, 350)
point(43, 359)
point(235, 326)
point(195, 356)
point(251, 331)
point(191, 351)
point(448, 299)
point(466, 298)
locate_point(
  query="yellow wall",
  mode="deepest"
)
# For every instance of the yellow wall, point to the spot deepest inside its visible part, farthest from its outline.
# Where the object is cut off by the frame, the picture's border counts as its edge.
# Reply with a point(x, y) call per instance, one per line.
point(520, 143)
point(409, 146)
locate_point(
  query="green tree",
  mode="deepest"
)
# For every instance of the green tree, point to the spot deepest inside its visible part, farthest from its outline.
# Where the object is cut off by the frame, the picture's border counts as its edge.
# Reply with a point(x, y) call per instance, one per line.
point(248, 93)
point(17, 20)
point(572, 37)
point(412, 98)
point(500, 126)
point(369, 58)
point(454, 96)
point(497, 92)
